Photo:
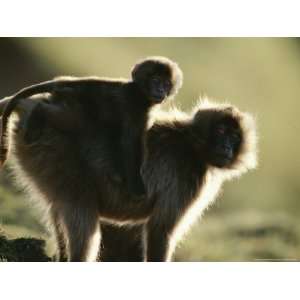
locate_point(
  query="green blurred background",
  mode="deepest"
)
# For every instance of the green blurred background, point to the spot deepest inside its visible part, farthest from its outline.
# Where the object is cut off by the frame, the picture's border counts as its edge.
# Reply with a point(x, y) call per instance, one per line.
point(257, 216)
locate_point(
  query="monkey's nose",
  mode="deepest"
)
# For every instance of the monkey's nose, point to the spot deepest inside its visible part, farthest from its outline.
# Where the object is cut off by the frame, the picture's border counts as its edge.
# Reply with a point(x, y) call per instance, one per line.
point(224, 151)
point(161, 90)
point(159, 96)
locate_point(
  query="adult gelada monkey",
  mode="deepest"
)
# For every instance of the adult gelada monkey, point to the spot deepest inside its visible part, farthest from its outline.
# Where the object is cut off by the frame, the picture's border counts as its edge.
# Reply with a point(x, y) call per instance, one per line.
point(117, 108)
point(192, 157)
point(189, 156)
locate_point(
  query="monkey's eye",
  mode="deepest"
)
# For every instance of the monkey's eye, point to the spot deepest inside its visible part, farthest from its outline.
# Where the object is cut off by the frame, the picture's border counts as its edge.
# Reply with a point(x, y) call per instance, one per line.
point(235, 137)
point(155, 80)
point(221, 130)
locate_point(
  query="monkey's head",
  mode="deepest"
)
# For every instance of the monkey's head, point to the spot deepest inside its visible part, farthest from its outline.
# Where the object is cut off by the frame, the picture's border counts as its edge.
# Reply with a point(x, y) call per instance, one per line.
point(227, 137)
point(224, 141)
point(158, 78)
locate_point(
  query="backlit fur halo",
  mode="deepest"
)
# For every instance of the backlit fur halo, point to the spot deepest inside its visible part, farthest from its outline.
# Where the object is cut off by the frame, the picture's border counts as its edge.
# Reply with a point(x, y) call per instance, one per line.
point(177, 76)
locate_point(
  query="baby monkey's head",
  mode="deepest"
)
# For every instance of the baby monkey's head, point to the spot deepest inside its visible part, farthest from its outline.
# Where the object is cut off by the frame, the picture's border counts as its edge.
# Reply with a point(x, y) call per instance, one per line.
point(158, 78)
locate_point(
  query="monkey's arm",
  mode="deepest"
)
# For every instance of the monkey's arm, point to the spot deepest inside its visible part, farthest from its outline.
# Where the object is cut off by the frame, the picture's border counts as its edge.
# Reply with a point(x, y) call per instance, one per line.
point(132, 143)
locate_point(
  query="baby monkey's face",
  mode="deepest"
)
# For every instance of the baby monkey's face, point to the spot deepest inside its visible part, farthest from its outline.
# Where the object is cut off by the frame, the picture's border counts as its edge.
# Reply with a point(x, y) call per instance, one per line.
point(159, 88)
point(157, 79)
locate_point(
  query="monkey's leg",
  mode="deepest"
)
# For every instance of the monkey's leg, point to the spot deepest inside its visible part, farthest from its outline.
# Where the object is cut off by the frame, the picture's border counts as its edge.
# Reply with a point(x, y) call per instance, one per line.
point(60, 237)
point(158, 237)
point(83, 232)
point(35, 113)
point(120, 244)
point(59, 116)
point(157, 246)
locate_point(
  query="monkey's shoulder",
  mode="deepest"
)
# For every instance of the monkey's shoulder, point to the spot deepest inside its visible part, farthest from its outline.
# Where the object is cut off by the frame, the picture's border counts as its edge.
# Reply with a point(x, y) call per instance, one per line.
point(166, 131)
point(171, 142)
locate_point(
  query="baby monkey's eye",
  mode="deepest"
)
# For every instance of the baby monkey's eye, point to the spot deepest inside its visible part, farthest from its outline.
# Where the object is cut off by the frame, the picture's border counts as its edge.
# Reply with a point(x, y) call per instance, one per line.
point(221, 130)
point(155, 80)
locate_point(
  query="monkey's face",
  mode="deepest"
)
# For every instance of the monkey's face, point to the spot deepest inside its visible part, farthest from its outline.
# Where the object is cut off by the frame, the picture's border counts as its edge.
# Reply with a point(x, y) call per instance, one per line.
point(159, 88)
point(225, 141)
point(154, 79)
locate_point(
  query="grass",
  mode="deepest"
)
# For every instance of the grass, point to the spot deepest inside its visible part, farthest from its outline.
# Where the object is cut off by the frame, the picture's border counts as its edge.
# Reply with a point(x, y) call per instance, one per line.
point(242, 236)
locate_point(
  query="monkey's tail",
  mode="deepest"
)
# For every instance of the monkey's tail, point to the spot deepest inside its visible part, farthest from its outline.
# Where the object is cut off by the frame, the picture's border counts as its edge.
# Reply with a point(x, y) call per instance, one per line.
point(3, 103)
point(7, 110)
point(3, 150)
